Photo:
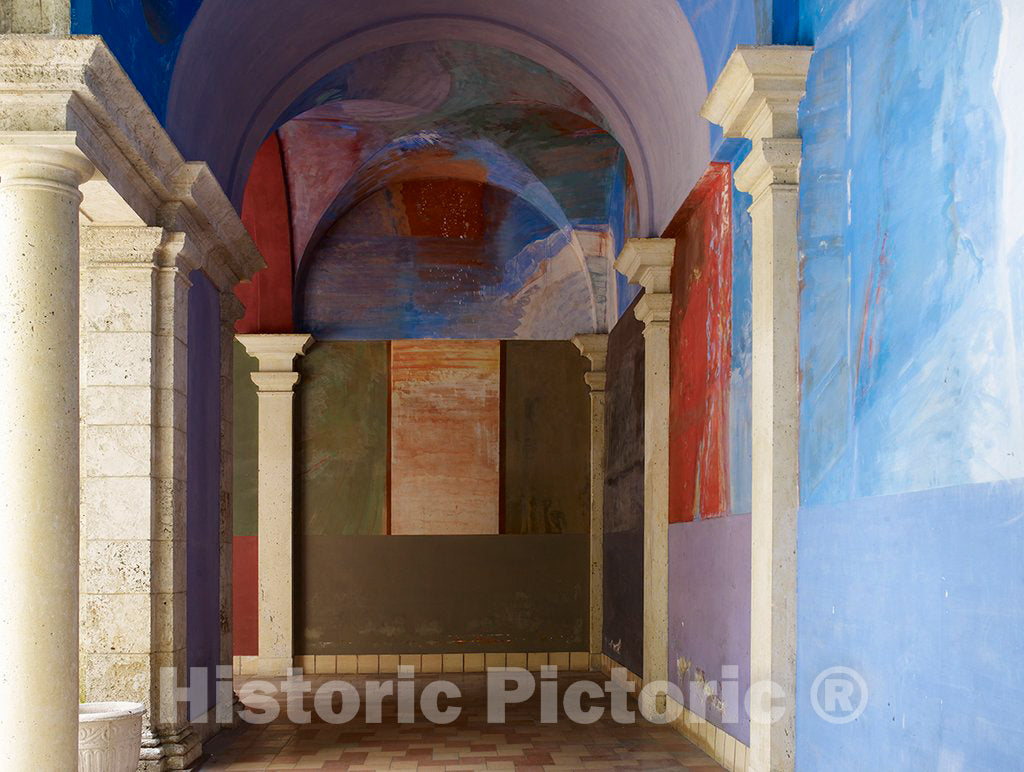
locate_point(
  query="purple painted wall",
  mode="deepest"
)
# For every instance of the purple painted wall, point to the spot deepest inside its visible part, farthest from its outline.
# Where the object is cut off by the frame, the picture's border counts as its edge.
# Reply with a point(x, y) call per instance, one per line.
point(709, 618)
point(203, 488)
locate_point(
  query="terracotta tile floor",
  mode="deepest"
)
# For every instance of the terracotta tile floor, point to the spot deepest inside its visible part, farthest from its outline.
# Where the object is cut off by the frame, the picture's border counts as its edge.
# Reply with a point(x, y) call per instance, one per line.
point(469, 743)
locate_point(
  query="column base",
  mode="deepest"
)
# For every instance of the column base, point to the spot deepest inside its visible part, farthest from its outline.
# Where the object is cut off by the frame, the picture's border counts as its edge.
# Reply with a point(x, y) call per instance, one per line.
point(175, 750)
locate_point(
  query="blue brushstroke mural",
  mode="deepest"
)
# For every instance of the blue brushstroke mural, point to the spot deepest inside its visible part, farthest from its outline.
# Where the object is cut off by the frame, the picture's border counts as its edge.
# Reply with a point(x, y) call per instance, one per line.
point(911, 442)
point(909, 331)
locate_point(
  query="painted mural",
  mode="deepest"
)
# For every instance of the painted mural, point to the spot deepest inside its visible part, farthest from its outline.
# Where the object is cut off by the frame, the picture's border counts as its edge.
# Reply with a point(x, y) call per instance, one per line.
point(546, 424)
point(268, 297)
point(454, 209)
point(911, 254)
point(624, 495)
point(911, 246)
point(342, 454)
point(466, 418)
point(445, 431)
point(700, 343)
point(709, 453)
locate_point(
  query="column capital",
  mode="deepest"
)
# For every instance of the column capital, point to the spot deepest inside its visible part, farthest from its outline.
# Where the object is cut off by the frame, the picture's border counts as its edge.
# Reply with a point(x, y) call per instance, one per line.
point(757, 97)
point(758, 91)
point(648, 262)
point(594, 346)
point(50, 156)
point(275, 352)
point(654, 310)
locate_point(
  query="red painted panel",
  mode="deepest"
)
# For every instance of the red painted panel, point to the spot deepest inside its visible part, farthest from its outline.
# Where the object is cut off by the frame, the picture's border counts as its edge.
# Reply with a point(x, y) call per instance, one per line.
point(700, 341)
point(245, 595)
point(268, 299)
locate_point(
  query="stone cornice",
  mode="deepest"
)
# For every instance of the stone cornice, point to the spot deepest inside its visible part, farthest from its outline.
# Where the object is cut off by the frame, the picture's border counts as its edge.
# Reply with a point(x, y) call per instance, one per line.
point(758, 91)
point(74, 84)
point(648, 262)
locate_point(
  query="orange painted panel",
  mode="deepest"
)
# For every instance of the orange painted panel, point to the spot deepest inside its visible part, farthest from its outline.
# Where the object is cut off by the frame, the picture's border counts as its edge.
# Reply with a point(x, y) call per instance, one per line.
point(445, 433)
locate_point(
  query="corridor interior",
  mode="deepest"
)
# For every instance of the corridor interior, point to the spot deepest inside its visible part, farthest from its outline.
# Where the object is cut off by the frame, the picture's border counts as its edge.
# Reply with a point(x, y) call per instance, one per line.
point(662, 350)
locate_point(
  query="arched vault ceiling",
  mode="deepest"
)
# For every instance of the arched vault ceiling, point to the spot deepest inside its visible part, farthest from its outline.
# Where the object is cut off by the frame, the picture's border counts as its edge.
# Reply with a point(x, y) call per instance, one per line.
point(243, 66)
point(476, 112)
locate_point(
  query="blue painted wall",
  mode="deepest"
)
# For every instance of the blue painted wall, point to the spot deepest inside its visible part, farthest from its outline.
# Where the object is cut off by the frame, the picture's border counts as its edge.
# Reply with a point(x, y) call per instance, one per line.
point(144, 35)
point(911, 443)
point(203, 481)
point(923, 595)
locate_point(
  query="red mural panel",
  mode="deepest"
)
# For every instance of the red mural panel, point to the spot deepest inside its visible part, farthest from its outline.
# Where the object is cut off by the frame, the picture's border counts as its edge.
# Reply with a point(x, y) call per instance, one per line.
point(445, 433)
point(265, 214)
point(244, 595)
point(700, 340)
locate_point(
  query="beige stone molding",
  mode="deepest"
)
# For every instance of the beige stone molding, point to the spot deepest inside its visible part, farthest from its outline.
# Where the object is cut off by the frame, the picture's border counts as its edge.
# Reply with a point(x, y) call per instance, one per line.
point(275, 380)
point(594, 346)
point(60, 88)
point(648, 262)
point(757, 97)
point(44, 17)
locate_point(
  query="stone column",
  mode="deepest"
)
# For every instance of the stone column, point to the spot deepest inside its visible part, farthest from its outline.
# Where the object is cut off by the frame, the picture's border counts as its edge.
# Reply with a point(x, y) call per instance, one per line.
point(39, 200)
point(231, 310)
point(595, 348)
point(648, 262)
point(134, 325)
point(756, 97)
point(275, 381)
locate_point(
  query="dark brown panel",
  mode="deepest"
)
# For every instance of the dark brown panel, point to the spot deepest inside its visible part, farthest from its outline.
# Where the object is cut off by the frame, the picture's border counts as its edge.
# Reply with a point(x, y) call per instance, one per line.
point(546, 414)
point(624, 495)
point(433, 594)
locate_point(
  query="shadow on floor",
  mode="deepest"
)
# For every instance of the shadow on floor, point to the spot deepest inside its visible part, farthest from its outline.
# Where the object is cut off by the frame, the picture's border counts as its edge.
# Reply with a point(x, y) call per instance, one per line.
point(470, 742)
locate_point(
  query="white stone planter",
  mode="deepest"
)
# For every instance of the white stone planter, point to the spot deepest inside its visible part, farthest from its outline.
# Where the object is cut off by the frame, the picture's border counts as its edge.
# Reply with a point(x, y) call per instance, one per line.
point(109, 736)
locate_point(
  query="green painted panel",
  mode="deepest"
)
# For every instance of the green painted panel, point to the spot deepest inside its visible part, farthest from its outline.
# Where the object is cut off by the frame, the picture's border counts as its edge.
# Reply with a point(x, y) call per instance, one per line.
point(245, 446)
point(342, 439)
point(546, 444)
